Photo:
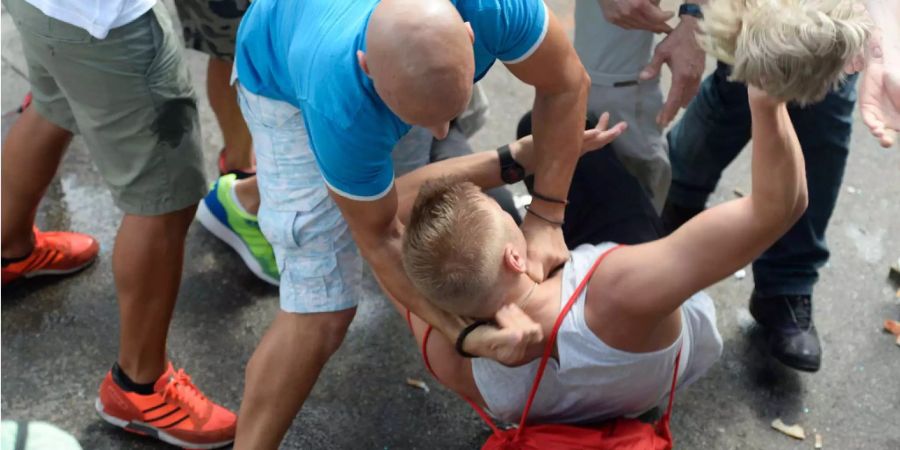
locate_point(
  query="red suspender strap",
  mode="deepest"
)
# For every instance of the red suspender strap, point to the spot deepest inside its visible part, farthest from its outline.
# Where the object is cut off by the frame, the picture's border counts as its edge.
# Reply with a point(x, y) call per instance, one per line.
point(674, 381)
point(484, 415)
point(551, 340)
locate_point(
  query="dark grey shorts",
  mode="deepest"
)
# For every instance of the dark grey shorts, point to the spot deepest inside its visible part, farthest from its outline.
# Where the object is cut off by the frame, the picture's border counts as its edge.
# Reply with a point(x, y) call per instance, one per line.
point(210, 26)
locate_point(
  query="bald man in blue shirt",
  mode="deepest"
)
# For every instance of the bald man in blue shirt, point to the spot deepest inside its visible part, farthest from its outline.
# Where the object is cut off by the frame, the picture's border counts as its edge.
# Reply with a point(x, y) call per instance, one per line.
point(327, 88)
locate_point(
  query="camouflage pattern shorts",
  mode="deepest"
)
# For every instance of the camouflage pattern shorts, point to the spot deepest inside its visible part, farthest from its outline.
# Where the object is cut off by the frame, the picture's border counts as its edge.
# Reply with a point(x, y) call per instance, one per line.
point(210, 26)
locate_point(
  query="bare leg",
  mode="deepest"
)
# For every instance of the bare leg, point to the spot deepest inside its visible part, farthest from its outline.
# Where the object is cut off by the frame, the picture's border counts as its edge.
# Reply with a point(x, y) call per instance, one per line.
point(224, 103)
point(147, 262)
point(32, 152)
point(282, 372)
point(247, 193)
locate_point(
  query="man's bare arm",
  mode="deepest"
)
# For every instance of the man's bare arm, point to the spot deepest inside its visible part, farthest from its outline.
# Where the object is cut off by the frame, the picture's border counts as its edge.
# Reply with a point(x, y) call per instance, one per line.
point(483, 168)
point(378, 233)
point(654, 279)
point(561, 87)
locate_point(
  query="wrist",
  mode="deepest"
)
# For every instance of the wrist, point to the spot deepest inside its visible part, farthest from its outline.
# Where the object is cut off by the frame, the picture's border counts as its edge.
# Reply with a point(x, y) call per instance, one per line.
point(546, 212)
point(521, 152)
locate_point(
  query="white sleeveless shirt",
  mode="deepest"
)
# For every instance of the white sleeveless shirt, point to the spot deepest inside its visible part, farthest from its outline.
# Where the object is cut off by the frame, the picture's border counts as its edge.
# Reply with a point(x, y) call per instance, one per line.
point(592, 381)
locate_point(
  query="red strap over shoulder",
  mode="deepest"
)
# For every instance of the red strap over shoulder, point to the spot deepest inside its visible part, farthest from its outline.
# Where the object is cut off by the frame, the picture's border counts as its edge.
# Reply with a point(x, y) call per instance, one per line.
point(551, 340)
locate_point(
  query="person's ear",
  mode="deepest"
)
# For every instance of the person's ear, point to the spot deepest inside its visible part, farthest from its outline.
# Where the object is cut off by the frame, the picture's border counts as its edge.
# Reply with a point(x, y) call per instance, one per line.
point(361, 59)
point(471, 33)
point(513, 260)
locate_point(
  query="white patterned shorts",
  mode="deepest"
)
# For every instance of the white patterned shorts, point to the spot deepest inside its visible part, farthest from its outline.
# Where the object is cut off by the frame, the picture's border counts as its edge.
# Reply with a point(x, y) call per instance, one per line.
point(320, 266)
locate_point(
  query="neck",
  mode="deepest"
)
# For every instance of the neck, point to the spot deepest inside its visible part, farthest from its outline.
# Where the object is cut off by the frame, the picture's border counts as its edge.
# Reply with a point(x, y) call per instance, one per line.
point(544, 302)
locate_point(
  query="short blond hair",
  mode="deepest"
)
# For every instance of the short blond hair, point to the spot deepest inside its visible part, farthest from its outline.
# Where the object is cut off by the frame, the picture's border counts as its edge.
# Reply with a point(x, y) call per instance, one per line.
point(453, 245)
point(793, 49)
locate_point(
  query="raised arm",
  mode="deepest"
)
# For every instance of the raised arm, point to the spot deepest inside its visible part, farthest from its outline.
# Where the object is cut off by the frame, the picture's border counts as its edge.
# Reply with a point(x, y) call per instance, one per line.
point(653, 279)
point(483, 168)
point(561, 87)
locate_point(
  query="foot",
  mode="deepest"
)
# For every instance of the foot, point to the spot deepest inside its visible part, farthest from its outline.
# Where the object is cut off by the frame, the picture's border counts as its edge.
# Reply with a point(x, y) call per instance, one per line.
point(54, 253)
point(788, 323)
point(220, 213)
point(175, 412)
point(246, 172)
point(674, 216)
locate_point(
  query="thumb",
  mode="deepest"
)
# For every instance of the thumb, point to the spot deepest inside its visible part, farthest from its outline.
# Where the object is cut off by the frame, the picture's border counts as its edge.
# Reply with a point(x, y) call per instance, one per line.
point(652, 69)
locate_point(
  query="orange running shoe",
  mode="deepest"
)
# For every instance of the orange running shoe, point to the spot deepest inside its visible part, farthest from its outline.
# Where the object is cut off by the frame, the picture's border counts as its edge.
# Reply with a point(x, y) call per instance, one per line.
point(55, 253)
point(176, 412)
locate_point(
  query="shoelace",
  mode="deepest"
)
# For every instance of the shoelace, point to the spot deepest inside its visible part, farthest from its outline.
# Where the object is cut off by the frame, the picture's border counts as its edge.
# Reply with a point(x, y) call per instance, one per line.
point(182, 391)
point(801, 311)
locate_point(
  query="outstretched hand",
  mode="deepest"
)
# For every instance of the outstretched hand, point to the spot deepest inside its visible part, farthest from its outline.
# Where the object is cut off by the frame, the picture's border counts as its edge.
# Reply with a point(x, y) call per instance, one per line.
point(879, 94)
point(593, 139)
point(686, 60)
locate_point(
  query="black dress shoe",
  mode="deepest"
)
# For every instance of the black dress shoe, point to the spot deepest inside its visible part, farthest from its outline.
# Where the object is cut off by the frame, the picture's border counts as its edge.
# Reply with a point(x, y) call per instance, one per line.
point(788, 323)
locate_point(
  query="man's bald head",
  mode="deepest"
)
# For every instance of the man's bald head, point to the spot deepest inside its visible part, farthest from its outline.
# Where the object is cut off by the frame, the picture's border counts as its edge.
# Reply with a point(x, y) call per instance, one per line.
point(419, 55)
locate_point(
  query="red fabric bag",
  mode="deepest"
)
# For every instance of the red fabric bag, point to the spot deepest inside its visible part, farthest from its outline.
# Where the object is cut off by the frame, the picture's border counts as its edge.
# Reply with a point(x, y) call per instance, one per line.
point(619, 434)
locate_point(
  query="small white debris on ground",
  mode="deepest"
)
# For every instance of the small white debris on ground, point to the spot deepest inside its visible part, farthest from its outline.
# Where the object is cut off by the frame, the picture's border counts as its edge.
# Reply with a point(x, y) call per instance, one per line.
point(852, 190)
point(794, 431)
point(740, 274)
point(417, 383)
point(818, 441)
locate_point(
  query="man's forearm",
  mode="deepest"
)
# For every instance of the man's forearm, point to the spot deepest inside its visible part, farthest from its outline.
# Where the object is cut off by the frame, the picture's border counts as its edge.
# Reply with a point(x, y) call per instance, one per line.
point(558, 120)
point(384, 258)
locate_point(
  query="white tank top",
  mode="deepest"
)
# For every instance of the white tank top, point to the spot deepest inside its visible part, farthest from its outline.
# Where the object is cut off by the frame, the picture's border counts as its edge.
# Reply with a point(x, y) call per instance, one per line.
point(592, 381)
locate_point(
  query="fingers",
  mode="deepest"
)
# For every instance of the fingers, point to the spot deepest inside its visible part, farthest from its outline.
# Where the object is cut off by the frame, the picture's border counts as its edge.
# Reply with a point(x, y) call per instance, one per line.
point(600, 139)
point(646, 16)
point(652, 69)
point(672, 105)
point(872, 118)
point(656, 19)
point(512, 318)
point(603, 122)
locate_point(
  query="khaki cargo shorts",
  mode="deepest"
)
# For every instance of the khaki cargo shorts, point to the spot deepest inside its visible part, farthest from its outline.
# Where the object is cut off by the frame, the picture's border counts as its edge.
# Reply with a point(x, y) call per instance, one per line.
point(128, 95)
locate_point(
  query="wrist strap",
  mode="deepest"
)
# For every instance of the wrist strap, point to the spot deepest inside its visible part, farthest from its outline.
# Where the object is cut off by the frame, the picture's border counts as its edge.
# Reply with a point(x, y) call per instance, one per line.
point(545, 219)
point(539, 196)
point(461, 339)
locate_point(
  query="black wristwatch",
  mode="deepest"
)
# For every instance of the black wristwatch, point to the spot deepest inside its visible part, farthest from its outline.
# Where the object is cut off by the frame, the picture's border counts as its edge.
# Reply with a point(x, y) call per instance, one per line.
point(510, 170)
point(690, 9)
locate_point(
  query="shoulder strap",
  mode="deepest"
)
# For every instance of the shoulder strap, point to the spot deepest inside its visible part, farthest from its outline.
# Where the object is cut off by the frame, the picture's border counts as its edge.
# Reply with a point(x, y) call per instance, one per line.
point(551, 340)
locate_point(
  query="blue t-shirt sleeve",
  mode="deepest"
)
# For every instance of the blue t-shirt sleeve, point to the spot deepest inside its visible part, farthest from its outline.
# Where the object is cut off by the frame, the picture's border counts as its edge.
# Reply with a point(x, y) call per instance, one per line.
point(513, 29)
point(355, 164)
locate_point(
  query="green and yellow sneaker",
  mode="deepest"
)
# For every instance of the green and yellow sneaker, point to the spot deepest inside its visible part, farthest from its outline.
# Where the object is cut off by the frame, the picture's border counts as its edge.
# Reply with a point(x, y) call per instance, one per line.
point(219, 214)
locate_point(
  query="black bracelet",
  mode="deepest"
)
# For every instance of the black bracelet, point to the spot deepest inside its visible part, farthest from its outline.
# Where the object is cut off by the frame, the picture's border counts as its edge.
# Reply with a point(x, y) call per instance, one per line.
point(530, 211)
point(538, 196)
point(461, 339)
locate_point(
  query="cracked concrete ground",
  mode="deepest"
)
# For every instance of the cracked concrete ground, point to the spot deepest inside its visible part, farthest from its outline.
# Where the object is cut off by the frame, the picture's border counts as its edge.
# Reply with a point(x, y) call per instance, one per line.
point(59, 336)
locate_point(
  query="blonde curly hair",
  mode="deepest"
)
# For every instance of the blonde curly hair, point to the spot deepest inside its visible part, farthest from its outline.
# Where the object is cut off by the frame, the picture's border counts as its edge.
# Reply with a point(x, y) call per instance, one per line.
point(795, 50)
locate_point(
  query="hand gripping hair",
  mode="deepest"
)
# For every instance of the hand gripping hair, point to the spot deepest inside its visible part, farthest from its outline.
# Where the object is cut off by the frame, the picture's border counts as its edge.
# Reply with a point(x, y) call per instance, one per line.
point(795, 50)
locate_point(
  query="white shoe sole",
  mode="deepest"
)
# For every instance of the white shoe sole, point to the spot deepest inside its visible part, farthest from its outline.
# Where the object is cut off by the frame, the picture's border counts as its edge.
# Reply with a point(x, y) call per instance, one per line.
point(150, 430)
point(218, 229)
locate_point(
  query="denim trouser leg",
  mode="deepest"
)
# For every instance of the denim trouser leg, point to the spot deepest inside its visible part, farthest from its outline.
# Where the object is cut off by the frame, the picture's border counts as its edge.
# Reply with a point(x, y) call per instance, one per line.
point(790, 266)
point(716, 127)
point(714, 130)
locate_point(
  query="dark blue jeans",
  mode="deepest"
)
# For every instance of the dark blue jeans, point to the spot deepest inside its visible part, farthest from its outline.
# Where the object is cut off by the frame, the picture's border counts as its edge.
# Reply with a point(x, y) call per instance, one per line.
point(714, 130)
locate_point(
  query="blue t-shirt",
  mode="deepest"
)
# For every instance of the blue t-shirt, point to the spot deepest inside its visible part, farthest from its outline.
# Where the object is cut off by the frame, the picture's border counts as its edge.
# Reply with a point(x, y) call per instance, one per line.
point(304, 53)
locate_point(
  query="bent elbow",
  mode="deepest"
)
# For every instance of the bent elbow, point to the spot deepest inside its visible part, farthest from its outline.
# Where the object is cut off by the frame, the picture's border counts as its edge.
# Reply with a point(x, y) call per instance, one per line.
point(800, 205)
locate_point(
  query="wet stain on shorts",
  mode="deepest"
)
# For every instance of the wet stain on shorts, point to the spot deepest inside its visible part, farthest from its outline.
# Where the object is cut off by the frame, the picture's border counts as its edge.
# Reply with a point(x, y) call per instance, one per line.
point(175, 119)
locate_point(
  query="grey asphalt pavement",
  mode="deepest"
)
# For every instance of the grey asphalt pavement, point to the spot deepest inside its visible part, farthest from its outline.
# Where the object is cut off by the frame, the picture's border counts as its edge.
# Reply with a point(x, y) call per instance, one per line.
point(60, 336)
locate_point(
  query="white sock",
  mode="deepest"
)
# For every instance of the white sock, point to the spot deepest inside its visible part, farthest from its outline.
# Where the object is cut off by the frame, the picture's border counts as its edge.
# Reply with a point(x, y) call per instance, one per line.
point(237, 201)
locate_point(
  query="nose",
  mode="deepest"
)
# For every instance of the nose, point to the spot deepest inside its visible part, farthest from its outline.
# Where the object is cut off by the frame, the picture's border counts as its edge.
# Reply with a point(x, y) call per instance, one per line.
point(441, 131)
